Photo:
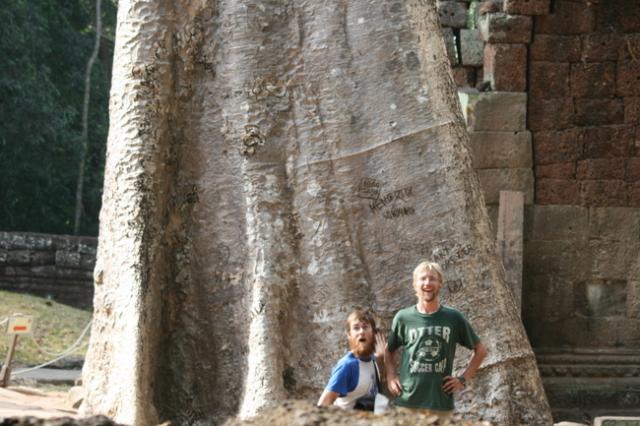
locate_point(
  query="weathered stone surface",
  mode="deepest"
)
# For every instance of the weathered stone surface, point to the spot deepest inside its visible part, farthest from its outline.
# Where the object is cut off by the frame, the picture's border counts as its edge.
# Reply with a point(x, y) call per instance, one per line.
point(561, 222)
point(505, 28)
point(551, 114)
point(452, 14)
point(601, 193)
point(450, 44)
point(592, 80)
point(629, 49)
point(499, 111)
point(606, 141)
point(599, 111)
point(619, 15)
point(464, 77)
point(555, 48)
point(492, 181)
point(614, 223)
point(526, 7)
point(49, 266)
point(601, 298)
point(632, 109)
point(600, 47)
point(501, 149)
point(509, 239)
point(556, 170)
point(557, 191)
point(505, 66)
point(601, 168)
point(557, 146)
point(471, 48)
point(628, 78)
point(548, 80)
point(568, 17)
point(612, 259)
point(633, 170)
point(633, 194)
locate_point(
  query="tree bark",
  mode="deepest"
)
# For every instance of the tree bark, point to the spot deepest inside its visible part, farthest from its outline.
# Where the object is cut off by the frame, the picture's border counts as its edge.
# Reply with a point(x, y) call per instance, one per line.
point(270, 166)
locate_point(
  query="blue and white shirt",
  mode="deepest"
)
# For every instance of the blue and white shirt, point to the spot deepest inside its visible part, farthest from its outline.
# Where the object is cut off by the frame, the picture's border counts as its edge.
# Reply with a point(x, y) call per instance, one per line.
point(353, 378)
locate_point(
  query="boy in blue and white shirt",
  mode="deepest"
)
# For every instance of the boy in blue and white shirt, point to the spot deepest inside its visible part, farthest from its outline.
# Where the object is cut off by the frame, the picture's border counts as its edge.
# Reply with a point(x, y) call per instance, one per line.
point(355, 379)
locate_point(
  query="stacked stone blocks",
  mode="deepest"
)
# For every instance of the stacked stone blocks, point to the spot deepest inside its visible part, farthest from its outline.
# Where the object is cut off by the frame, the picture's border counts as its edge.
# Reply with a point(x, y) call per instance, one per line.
point(53, 266)
point(584, 84)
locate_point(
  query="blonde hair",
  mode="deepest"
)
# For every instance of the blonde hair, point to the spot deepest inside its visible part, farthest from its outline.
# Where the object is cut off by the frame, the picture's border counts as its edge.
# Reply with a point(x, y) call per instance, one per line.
point(429, 266)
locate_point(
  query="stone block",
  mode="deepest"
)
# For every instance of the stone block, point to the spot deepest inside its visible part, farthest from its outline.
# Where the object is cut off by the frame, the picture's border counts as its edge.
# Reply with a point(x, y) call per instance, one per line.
point(548, 80)
point(614, 223)
point(501, 149)
point(606, 141)
point(504, 28)
point(633, 170)
point(492, 181)
point(452, 14)
point(551, 114)
point(633, 299)
point(29, 241)
point(612, 260)
point(599, 111)
point(616, 420)
point(600, 47)
point(464, 77)
point(628, 78)
point(629, 47)
point(19, 257)
point(555, 48)
point(593, 80)
point(43, 258)
point(471, 48)
point(67, 259)
point(557, 191)
point(632, 110)
point(619, 15)
point(549, 294)
point(505, 66)
point(567, 18)
point(601, 298)
point(557, 222)
point(498, 111)
point(527, 7)
point(601, 168)
point(633, 190)
point(603, 193)
point(556, 146)
point(450, 45)
point(556, 171)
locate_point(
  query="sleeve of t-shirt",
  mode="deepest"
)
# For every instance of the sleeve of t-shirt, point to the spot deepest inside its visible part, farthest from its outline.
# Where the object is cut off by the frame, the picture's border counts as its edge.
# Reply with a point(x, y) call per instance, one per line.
point(343, 378)
point(395, 339)
point(467, 336)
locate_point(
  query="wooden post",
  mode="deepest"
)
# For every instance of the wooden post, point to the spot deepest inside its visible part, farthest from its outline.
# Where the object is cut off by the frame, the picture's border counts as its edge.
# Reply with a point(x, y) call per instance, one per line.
point(510, 240)
point(5, 373)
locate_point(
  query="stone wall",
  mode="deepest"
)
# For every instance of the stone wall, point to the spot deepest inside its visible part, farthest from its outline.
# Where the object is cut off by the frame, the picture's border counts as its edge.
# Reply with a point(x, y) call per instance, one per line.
point(554, 112)
point(59, 267)
point(584, 103)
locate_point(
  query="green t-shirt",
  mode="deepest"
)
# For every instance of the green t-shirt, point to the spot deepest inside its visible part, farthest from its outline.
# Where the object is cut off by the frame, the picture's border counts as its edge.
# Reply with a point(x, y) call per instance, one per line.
point(429, 342)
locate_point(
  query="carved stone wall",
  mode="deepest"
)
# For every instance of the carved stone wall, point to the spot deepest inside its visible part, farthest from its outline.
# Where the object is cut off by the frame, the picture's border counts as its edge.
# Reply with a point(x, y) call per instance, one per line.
point(55, 266)
point(552, 112)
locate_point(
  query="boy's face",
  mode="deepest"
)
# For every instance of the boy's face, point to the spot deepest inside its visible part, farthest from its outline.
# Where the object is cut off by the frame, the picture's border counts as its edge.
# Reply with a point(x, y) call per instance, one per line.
point(360, 338)
point(427, 285)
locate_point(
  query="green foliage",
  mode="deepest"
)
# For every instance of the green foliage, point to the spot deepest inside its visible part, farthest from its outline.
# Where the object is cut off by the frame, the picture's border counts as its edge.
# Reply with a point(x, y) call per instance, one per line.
point(44, 47)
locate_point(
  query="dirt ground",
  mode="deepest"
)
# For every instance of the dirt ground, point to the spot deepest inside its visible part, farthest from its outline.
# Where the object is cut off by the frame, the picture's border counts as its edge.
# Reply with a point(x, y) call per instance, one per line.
point(25, 401)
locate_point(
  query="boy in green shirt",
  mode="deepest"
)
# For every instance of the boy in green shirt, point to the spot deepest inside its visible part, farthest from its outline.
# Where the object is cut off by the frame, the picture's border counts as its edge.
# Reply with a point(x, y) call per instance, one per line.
point(429, 333)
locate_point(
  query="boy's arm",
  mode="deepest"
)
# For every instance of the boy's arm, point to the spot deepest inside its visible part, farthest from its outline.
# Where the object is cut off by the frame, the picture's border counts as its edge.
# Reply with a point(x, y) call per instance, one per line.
point(453, 384)
point(327, 398)
point(393, 382)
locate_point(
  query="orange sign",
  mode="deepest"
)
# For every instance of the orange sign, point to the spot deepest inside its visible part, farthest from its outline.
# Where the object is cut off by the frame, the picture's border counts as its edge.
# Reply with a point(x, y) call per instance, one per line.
point(19, 324)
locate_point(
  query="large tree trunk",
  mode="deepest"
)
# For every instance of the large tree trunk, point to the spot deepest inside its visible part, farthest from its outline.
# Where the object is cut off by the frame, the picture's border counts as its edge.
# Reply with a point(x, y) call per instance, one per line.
point(271, 165)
